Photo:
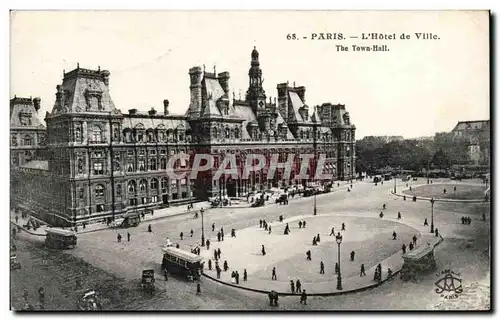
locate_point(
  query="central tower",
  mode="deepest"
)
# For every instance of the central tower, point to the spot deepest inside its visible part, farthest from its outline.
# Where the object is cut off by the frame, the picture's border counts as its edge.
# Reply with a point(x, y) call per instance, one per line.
point(256, 96)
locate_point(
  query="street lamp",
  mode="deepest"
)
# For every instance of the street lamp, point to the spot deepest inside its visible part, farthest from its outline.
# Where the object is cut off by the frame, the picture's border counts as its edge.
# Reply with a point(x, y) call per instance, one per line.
point(338, 239)
point(202, 229)
point(394, 184)
point(432, 215)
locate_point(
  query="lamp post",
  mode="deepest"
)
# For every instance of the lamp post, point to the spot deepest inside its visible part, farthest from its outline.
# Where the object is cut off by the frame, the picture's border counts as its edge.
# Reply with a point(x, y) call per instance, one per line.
point(338, 239)
point(432, 214)
point(394, 184)
point(202, 229)
point(315, 209)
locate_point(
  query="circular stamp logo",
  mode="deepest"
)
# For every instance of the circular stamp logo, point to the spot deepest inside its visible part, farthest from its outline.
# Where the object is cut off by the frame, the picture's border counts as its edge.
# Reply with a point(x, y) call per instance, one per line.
point(449, 284)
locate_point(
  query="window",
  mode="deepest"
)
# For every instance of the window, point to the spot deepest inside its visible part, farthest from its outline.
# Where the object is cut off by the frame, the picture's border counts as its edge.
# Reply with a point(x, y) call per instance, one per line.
point(236, 133)
point(13, 140)
point(181, 137)
point(99, 208)
point(143, 184)
point(142, 165)
point(99, 190)
point(78, 134)
point(144, 200)
point(161, 135)
point(98, 168)
point(133, 202)
point(130, 167)
point(164, 183)
point(118, 189)
point(154, 184)
point(152, 164)
point(154, 199)
point(163, 164)
point(228, 133)
point(80, 165)
point(131, 186)
point(98, 154)
point(142, 152)
point(80, 193)
point(27, 141)
point(130, 153)
point(140, 135)
point(152, 152)
point(127, 135)
point(163, 151)
point(150, 136)
point(116, 134)
point(96, 134)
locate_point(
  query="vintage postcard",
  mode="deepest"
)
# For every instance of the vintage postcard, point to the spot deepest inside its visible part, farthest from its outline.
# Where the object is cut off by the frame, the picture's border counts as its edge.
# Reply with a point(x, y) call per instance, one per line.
point(250, 160)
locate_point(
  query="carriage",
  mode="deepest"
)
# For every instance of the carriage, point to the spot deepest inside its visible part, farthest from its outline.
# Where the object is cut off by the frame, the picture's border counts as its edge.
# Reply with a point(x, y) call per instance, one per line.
point(183, 263)
point(60, 238)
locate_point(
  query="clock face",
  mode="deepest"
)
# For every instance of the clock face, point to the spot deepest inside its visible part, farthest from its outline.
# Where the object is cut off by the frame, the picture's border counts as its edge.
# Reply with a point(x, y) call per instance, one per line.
point(261, 104)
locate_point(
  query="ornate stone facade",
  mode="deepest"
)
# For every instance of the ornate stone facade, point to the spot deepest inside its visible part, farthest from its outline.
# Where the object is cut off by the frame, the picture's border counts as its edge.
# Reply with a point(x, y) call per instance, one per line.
point(104, 163)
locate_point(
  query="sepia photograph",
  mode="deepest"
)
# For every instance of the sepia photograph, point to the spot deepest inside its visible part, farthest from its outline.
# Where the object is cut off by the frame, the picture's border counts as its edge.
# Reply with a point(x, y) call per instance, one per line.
point(250, 161)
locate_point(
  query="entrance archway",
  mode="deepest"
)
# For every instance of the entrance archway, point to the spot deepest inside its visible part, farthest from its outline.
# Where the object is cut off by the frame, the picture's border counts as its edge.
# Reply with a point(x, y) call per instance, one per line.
point(231, 188)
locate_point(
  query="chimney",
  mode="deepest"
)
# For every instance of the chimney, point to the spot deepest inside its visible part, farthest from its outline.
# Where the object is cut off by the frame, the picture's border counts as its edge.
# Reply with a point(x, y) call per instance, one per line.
point(195, 104)
point(223, 78)
point(301, 91)
point(105, 77)
point(165, 106)
point(152, 112)
point(36, 103)
point(132, 111)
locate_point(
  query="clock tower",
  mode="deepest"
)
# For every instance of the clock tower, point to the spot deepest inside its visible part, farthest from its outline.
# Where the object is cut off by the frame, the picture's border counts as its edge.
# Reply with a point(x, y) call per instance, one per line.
point(256, 96)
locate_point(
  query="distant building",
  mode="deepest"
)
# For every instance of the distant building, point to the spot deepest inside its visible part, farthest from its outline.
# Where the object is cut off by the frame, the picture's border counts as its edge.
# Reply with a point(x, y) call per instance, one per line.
point(478, 135)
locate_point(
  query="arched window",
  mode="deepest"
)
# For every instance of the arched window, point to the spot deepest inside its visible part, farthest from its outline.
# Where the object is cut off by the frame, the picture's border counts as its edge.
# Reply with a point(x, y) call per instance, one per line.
point(154, 184)
point(99, 190)
point(27, 140)
point(301, 135)
point(143, 185)
point(80, 193)
point(131, 186)
point(78, 134)
point(236, 133)
point(127, 135)
point(214, 132)
point(163, 164)
point(164, 183)
point(150, 135)
point(80, 165)
point(228, 133)
point(96, 134)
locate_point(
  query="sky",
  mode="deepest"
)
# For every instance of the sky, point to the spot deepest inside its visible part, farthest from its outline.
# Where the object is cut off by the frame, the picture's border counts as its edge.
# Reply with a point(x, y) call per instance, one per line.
point(416, 89)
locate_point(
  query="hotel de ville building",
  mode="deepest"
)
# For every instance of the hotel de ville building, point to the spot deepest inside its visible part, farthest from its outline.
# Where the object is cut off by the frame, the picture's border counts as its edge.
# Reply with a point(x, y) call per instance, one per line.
point(92, 161)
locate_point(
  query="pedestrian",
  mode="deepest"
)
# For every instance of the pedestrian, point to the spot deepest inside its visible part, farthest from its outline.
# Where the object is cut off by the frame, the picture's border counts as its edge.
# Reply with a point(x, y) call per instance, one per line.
point(208, 244)
point(143, 215)
point(191, 233)
point(304, 224)
point(213, 227)
point(425, 222)
point(384, 206)
point(237, 277)
point(215, 254)
point(225, 265)
point(17, 218)
point(263, 250)
point(165, 273)
point(399, 214)
point(218, 271)
point(352, 255)
point(318, 238)
point(149, 228)
point(308, 255)
point(455, 188)
point(437, 233)
point(119, 238)
point(233, 233)
point(414, 239)
point(177, 246)
point(218, 236)
point(298, 286)
point(245, 275)
point(343, 227)
point(404, 198)
point(444, 191)
point(332, 233)
point(198, 251)
point(321, 268)
point(411, 246)
point(469, 220)
point(362, 272)
point(222, 236)
point(273, 276)
point(269, 230)
point(303, 298)
point(394, 235)
point(300, 224)
point(182, 235)
point(381, 215)
point(128, 237)
point(260, 223)
point(41, 295)
point(314, 243)
point(209, 264)
point(218, 252)
point(292, 286)
point(222, 232)
point(198, 288)
point(463, 220)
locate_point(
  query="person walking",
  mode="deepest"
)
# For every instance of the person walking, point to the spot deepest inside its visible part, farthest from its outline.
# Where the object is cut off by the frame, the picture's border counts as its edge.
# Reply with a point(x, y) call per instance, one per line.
point(237, 277)
point(425, 222)
point(414, 239)
point(225, 265)
point(269, 230)
point(411, 246)
point(263, 250)
point(260, 223)
point(298, 286)
point(218, 236)
point(219, 252)
point(165, 273)
point(321, 268)
point(128, 237)
point(317, 238)
point(149, 228)
point(217, 268)
point(245, 275)
point(191, 233)
point(182, 235)
point(213, 227)
point(308, 255)
point(207, 243)
point(394, 235)
point(292, 286)
point(119, 237)
point(303, 298)
point(399, 214)
point(352, 255)
point(343, 227)
point(362, 272)
point(209, 264)
point(273, 276)
point(304, 224)
point(332, 233)
point(300, 224)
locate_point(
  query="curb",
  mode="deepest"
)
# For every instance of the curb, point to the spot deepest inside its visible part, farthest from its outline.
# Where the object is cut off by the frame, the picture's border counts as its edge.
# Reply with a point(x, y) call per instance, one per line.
point(439, 199)
point(27, 231)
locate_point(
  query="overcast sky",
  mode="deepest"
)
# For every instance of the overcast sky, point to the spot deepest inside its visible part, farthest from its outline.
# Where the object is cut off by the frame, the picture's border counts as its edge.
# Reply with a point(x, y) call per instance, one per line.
point(416, 89)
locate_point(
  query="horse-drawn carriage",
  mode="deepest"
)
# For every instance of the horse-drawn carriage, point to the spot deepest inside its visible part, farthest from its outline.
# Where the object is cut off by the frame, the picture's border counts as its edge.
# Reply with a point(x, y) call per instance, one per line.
point(89, 301)
point(148, 281)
